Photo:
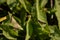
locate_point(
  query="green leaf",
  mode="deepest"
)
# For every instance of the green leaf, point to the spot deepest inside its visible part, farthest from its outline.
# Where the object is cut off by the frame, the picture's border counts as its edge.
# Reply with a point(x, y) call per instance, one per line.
point(43, 3)
point(6, 31)
point(17, 19)
point(13, 32)
point(57, 6)
point(23, 15)
point(10, 1)
point(54, 32)
point(41, 14)
point(24, 5)
point(9, 29)
point(29, 29)
point(7, 35)
point(2, 1)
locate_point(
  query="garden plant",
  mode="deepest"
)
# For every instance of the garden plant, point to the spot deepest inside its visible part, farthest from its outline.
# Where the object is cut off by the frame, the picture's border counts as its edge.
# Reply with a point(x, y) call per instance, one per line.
point(29, 19)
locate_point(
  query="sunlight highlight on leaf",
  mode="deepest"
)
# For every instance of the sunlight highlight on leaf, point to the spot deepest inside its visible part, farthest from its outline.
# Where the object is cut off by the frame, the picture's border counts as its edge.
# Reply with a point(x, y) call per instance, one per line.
point(3, 18)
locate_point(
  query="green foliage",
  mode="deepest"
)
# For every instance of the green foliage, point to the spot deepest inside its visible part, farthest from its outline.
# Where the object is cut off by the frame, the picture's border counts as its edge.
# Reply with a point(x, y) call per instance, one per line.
point(29, 19)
